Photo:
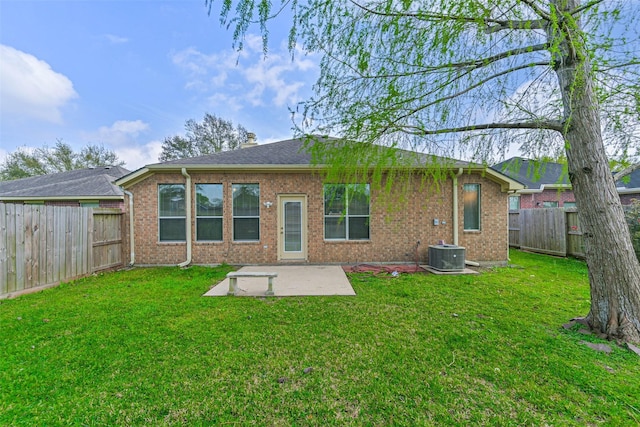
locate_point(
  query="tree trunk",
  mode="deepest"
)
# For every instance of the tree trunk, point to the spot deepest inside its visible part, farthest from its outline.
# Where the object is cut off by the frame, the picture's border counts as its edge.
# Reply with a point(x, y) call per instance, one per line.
point(614, 271)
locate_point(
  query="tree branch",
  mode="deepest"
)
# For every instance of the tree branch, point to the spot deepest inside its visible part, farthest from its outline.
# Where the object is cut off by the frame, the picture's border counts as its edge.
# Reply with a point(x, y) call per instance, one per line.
point(584, 7)
point(506, 54)
point(426, 16)
point(621, 65)
point(537, 24)
point(541, 13)
point(467, 89)
point(626, 171)
point(542, 124)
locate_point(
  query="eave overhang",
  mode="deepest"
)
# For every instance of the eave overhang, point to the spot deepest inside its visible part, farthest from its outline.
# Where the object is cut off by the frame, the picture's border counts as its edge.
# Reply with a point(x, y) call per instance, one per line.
point(57, 198)
point(506, 183)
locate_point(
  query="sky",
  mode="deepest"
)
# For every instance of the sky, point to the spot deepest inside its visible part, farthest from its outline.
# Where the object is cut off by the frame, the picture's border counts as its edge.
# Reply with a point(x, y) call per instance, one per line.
point(127, 74)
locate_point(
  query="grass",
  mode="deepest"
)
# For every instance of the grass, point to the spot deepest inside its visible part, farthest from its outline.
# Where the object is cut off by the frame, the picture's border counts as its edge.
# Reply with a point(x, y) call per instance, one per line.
point(142, 347)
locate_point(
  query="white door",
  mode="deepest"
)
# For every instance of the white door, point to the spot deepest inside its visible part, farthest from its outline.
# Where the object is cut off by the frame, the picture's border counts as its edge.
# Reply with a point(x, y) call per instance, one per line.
point(292, 225)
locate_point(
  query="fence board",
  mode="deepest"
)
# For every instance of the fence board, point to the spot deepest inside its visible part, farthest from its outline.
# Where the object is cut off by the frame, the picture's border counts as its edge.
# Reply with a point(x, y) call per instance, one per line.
point(28, 248)
point(543, 230)
point(514, 229)
point(68, 243)
point(35, 251)
point(107, 235)
point(3, 248)
point(44, 245)
point(49, 244)
point(575, 243)
point(553, 231)
point(19, 253)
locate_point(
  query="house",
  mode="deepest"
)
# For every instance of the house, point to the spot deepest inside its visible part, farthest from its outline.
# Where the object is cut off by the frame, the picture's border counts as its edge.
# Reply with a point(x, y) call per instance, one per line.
point(546, 184)
point(629, 188)
point(267, 204)
point(91, 187)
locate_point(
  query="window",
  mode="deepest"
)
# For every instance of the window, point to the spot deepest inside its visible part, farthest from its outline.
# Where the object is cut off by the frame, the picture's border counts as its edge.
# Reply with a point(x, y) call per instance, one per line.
point(209, 212)
point(246, 212)
point(549, 204)
point(471, 195)
point(346, 211)
point(569, 205)
point(90, 204)
point(172, 219)
point(514, 203)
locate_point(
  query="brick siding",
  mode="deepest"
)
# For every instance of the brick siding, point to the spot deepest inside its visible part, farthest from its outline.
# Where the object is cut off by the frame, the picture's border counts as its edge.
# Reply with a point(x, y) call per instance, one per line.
point(536, 200)
point(395, 225)
point(627, 199)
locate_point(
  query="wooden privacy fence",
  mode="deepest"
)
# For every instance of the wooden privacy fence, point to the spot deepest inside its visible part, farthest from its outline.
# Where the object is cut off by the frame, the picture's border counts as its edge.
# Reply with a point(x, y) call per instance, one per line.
point(553, 231)
point(44, 245)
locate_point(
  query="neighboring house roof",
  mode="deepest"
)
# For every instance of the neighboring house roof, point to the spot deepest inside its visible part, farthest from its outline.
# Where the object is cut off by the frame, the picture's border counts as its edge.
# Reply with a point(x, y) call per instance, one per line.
point(536, 175)
point(291, 155)
point(93, 183)
point(629, 184)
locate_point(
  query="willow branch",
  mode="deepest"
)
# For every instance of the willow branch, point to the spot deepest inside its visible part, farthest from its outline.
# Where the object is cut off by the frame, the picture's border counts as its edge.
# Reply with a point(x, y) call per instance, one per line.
point(584, 7)
point(424, 15)
point(626, 171)
point(537, 24)
point(469, 89)
point(540, 12)
point(541, 124)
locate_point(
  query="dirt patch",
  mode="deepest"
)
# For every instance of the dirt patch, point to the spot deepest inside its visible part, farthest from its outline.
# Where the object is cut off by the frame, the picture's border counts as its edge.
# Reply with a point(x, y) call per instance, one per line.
point(387, 268)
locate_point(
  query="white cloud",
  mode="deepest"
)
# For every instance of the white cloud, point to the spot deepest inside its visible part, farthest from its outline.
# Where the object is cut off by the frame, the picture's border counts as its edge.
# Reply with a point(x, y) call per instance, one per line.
point(228, 102)
point(121, 132)
point(139, 155)
point(123, 138)
point(129, 127)
point(113, 39)
point(247, 77)
point(30, 88)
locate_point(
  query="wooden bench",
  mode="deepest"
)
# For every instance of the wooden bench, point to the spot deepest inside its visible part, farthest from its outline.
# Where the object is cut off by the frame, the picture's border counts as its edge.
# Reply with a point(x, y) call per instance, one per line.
point(233, 280)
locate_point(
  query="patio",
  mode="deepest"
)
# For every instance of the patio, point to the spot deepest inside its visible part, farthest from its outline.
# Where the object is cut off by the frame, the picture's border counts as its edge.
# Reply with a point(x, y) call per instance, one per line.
point(292, 280)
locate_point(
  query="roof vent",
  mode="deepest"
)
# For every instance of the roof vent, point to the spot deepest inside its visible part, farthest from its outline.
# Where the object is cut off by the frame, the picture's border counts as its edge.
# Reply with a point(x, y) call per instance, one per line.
point(251, 141)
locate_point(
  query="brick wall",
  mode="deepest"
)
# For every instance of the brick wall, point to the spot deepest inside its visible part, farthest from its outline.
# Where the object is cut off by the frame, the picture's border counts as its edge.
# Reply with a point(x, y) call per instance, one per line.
point(71, 203)
point(490, 244)
point(397, 222)
point(114, 204)
point(627, 199)
point(536, 200)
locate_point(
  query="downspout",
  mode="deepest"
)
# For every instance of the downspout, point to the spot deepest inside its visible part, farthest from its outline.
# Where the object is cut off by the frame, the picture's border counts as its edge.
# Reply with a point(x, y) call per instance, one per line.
point(455, 206)
point(188, 209)
point(132, 246)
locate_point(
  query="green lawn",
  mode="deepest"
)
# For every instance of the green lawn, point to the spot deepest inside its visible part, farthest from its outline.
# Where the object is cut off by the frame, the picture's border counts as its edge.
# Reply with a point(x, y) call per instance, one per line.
point(142, 347)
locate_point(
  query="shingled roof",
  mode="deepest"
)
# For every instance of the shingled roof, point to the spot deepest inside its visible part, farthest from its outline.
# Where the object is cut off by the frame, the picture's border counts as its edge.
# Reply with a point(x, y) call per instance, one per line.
point(287, 152)
point(534, 173)
point(96, 183)
point(287, 155)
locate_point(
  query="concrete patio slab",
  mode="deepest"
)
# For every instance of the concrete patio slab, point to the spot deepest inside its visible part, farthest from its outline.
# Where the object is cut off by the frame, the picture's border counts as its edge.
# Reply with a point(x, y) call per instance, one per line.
point(292, 280)
point(453, 273)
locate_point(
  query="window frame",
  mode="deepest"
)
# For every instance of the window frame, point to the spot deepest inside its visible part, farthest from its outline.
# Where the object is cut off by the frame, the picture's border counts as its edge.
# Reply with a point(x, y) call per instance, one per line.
point(550, 204)
point(514, 198)
point(220, 217)
point(234, 216)
point(345, 216)
point(172, 217)
point(478, 192)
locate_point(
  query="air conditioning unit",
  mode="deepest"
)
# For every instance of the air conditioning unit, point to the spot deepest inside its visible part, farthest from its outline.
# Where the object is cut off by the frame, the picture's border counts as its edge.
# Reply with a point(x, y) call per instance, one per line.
point(446, 257)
